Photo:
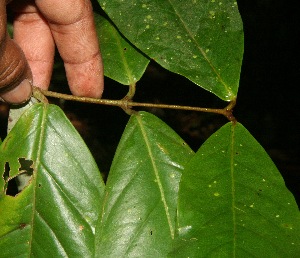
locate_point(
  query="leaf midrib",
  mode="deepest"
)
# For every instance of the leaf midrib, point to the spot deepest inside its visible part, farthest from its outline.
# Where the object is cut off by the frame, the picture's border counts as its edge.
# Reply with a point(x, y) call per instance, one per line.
point(156, 173)
point(200, 49)
point(38, 158)
point(232, 151)
point(124, 60)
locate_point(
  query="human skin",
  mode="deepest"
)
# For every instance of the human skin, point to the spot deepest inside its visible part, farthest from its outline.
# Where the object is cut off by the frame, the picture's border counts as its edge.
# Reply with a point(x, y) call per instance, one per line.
point(39, 26)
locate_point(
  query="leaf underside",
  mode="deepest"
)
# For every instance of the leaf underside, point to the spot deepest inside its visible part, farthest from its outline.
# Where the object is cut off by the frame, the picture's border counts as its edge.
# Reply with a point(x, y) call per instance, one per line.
point(122, 61)
point(201, 40)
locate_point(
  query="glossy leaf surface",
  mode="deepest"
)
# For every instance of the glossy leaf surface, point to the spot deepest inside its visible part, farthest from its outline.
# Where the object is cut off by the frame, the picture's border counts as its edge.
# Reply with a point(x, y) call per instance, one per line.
point(56, 214)
point(201, 40)
point(141, 192)
point(233, 202)
point(122, 62)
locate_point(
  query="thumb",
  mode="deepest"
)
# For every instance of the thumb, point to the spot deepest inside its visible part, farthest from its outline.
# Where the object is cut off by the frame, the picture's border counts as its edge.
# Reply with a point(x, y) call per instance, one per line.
point(15, 74)
point(14, 68)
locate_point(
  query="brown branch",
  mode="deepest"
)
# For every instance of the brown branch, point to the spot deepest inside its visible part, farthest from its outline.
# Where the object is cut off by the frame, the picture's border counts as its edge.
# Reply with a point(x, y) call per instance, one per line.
point(126, 104)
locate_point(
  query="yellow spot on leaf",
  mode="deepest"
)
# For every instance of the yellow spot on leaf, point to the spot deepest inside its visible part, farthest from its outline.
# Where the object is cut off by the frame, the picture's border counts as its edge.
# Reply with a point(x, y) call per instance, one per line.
point(212, 14)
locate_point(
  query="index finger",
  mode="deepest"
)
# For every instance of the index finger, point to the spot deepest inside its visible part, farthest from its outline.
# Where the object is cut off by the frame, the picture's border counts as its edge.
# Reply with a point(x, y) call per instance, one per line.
point(73, 29)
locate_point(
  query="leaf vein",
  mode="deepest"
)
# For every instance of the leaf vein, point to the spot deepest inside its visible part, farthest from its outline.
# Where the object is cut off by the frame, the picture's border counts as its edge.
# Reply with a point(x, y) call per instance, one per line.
point(53, 232)
point(200, 48)
point(232, 152)
point(156, 173)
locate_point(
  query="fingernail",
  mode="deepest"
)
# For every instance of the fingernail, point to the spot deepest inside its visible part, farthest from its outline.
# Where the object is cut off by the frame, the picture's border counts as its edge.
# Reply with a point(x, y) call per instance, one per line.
point(20, 94)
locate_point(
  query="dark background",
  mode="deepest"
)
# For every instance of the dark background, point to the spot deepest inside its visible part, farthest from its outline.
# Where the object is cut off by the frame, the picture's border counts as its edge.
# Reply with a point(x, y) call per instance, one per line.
point(267, 101)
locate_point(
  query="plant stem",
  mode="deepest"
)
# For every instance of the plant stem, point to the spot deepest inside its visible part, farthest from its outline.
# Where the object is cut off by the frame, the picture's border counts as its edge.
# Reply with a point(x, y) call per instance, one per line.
point(126, 104)
point(131, 91)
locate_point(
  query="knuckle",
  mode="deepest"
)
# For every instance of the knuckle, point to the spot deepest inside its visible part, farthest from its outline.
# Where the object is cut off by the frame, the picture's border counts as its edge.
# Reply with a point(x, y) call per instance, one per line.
point(12, 74)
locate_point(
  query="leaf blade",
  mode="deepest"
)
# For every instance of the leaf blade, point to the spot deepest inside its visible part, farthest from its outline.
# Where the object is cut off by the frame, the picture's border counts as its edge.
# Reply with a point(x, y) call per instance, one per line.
point(243, 207)
point(141, 192)
point(122, 62)
point(64, 196)
point(201, 40)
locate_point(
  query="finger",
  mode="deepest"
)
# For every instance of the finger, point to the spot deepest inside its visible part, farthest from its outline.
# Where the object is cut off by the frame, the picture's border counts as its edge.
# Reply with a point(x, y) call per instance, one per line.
point(18, 95)
point(32, 33)
point(73, 29)
point(14, 70)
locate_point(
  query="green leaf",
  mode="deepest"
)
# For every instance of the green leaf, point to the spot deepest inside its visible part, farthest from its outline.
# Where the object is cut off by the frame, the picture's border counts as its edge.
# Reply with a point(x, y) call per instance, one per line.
point(233, 202)
point(56, 214)
point(199, 39)
point(122, 61)
point(141, 193)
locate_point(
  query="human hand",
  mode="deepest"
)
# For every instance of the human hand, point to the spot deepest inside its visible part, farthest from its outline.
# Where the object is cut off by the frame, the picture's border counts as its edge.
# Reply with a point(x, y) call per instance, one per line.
point(38, 26)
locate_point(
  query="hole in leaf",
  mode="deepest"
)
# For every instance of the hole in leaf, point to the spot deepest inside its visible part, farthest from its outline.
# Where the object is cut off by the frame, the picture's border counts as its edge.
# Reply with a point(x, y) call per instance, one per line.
point(12, 188)
point(15, 184)
point(26, 166)
point(26, 171)
point(6, 172)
